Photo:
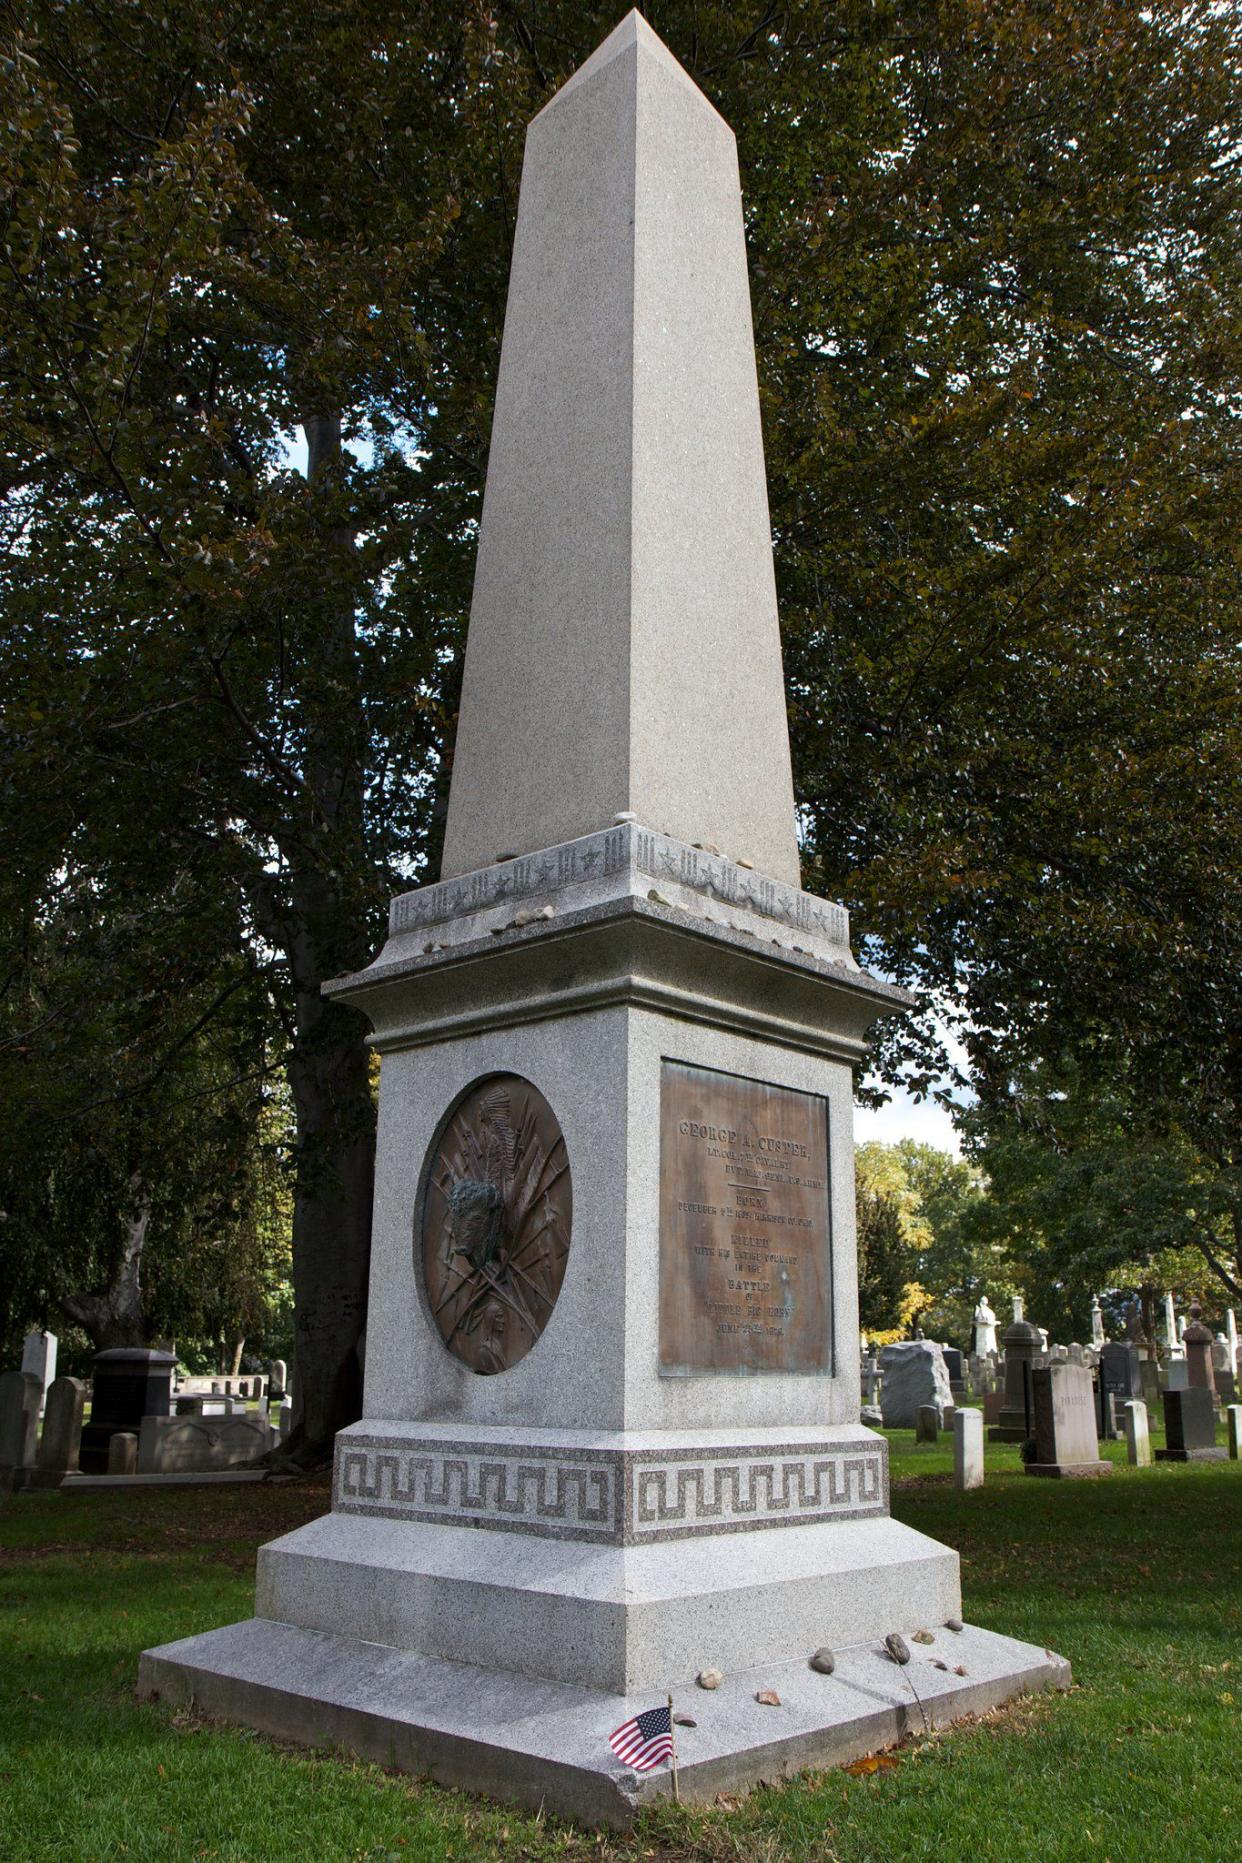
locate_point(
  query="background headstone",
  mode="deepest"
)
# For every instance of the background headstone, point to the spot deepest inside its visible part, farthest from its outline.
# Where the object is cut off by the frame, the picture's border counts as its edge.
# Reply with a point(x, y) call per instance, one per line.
point(1064, 1432)
point(128, 1385)
point(1119, 1369)
point(122, 1453)
point(1190, 1427)
point(19, 1423)
point(1138, 1438)
point(1022, 1353)
point(1170, 1324)
point(1149, 1376)
point(191, 1445)
point(1233, 1426)
point(914, 1373)
point(1197, 1341)
point(39, 1360)
point(968, 1449)
point(62, 1426)
point(926, 1423)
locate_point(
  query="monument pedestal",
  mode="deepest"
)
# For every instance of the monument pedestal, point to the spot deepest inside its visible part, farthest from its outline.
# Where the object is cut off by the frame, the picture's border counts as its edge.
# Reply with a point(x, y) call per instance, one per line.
point(649, 1490)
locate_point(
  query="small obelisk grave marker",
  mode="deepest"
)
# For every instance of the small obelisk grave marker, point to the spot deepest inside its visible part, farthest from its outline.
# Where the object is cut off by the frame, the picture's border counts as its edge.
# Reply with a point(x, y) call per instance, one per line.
point(624, 653)
point(611, 1434)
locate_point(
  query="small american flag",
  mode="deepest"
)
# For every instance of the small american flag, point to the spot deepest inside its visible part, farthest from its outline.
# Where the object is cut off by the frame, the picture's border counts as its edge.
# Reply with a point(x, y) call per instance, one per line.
point(646, 1740)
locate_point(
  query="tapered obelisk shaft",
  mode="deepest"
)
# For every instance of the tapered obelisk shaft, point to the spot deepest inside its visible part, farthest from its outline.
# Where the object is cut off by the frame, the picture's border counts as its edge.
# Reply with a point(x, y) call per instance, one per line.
point(624, 651)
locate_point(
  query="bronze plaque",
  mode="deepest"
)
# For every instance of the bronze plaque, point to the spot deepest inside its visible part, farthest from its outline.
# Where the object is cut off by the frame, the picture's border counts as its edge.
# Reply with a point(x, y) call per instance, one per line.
point(494, 1222)
point(745, 1261)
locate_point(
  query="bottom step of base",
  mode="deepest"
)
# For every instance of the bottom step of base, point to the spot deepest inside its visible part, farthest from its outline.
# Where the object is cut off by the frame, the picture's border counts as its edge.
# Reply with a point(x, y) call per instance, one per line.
point(541, 1743)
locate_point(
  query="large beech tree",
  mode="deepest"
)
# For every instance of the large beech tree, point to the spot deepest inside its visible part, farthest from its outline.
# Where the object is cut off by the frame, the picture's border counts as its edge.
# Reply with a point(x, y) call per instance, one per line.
point(995, 260)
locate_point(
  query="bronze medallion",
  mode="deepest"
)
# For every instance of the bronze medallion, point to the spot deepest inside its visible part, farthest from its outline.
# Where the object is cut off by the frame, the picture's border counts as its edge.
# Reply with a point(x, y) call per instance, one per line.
point(495, 1219)
point(745, 1242)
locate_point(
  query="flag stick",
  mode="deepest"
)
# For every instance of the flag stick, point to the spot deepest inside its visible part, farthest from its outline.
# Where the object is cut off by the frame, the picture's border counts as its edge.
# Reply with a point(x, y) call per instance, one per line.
point(673, 1741)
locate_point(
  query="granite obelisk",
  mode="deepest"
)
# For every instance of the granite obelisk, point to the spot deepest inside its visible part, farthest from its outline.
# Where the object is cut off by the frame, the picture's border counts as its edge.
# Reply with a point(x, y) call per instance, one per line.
point(623, 638)
point(611, 1435)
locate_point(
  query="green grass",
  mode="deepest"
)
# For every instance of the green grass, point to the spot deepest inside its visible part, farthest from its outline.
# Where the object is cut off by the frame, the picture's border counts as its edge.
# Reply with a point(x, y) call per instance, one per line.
point(1137, 1579)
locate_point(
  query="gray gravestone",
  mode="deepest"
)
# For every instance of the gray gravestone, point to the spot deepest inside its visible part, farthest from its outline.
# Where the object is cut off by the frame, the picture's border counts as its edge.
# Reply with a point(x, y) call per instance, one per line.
point(39, 1360)
point(1149, 1376)
point(968, 1449)
point(1190, 1427)
point(913, 1373)
point(187, 1445)
point(1138, 1437)
point(62, 1427)
point(122, 1453)
point(926, 1423)
point(19, 1422)
point(1233, 1425)
point(1065, 1430)
point(1197, 1341)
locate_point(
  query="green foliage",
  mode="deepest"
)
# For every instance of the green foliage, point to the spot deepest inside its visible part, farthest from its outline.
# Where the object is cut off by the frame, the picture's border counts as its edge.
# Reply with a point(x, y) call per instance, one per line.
point(147, 1140)
point(1083, 1198)
point(891, 1233)
point(995, 262)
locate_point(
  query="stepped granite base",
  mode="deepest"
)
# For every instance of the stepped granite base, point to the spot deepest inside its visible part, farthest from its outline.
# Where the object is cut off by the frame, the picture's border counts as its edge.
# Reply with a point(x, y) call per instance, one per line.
point(544, 1744)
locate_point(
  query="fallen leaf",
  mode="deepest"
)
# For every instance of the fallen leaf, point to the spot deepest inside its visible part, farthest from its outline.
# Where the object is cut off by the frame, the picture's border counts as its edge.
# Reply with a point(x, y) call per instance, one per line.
point(874, 1762)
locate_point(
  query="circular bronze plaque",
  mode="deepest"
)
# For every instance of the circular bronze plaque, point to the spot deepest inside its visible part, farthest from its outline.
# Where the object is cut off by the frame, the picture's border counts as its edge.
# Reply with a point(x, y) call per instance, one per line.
point(495, 1221)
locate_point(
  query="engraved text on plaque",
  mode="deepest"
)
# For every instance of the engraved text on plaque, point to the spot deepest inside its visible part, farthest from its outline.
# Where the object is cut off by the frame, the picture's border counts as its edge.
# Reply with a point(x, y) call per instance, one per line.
point(745, 1259)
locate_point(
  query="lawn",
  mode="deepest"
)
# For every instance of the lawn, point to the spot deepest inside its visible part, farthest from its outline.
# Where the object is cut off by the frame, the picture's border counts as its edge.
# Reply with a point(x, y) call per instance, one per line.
point(1137, 1579)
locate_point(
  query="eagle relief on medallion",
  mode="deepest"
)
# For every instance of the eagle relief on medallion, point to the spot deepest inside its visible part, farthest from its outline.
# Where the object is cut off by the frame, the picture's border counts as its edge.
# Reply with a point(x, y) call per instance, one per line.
point(495, 1221)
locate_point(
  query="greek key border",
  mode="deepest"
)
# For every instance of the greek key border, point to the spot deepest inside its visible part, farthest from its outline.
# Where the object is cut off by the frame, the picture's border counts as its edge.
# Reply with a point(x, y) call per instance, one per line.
point(611, 1497)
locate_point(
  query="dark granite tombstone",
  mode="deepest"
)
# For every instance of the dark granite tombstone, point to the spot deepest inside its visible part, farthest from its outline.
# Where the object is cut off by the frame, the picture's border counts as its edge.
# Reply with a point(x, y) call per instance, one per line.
point(1190, 1427)
point(1023, 1348)
point(1064, 1407)
point(1119, 1376)
point(127, 1385)
point(955, 1365)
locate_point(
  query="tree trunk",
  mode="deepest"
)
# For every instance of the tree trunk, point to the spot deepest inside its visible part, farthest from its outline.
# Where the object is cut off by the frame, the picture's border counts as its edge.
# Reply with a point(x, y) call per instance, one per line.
point(323, 933)
point(235, 1359)
point(115, 1319)
point(329, 1074)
